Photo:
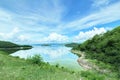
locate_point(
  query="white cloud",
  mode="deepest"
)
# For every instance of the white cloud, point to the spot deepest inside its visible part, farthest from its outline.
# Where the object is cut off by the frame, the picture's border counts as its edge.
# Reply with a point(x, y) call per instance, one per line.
point(14, 35)
point(47, 19)
point(105, 15)
point(9, 35)
point(23, 38)
point(82, 36)
point(54, 37)
point(47, 15)
point(49, 11)
point(99, 3)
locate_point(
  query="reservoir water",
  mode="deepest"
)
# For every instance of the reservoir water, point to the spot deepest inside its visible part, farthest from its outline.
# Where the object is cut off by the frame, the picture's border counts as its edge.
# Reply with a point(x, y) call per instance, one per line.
point(54, 54)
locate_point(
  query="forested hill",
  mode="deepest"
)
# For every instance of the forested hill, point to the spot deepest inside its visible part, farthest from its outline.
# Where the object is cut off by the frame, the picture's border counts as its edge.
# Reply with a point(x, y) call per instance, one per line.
point(104, 47)
point(7, 44)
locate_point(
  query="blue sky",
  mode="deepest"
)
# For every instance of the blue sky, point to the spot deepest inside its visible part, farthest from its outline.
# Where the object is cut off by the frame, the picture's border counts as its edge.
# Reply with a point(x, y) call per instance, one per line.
point(40, 21)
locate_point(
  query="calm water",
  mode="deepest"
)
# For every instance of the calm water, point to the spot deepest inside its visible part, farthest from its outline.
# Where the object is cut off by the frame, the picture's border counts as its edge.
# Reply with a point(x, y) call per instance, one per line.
point(53, 54)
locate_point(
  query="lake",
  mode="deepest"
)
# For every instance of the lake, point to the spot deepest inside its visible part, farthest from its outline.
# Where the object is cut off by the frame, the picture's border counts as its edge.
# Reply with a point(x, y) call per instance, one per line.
point(54, 54)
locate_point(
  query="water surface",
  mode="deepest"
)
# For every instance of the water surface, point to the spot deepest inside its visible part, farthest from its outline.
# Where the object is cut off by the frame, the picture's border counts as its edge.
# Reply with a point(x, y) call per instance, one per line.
point(53, 54)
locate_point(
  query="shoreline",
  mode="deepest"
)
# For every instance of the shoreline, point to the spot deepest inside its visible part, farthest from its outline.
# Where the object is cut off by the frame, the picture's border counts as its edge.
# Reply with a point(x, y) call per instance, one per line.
point(86, 64)
point(82, 61)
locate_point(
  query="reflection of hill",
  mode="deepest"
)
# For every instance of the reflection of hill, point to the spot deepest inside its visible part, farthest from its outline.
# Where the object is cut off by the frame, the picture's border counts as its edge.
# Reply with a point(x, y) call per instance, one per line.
point(45, 45)
point(48, 44)
point(10, 47)
point(12, 50)
point(9, 51)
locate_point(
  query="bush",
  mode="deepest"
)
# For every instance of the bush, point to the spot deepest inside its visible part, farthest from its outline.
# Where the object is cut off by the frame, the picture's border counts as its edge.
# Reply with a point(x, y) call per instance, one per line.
point(36, 59)
point(57, 65)
point(87, 75)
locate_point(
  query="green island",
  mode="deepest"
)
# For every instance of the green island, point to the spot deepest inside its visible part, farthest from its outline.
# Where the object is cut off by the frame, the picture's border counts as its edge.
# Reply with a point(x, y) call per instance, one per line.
point(45, 45)
point(101, 55)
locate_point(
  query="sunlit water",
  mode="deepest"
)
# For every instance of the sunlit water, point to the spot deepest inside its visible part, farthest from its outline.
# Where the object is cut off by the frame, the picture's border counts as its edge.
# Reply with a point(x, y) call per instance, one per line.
point(54, 54)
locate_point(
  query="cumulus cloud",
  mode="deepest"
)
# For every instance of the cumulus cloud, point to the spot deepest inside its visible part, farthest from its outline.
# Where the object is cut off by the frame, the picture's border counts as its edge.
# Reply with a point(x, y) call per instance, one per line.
point(10, 34)
point(14, 35)
point(23, 38)
point(55, 37)
point(82, 36)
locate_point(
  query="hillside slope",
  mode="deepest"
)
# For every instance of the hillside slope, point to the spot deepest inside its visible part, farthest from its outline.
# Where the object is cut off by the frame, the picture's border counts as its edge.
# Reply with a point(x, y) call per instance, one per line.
point(10, 47)
point(19, 69)
point(6, 44)
point(104, 47)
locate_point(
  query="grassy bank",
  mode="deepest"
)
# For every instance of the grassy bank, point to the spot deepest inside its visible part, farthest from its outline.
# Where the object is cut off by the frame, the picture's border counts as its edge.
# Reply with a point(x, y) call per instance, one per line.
point(19, 69)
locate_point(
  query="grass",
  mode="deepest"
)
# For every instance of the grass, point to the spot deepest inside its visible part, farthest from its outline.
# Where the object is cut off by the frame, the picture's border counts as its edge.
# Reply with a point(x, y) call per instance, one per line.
point(14, 68)
point(19, 69)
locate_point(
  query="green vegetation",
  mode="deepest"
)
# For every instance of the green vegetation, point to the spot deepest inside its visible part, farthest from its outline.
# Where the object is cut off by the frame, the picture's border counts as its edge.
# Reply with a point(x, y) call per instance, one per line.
point(45, 45)
point(33, 68)
point(25, 47)
point(104, 48)
point(72, 45)
point(10, 47)
point(6, 44)
point(12, 68)
point(90, 75)
point(36, 59)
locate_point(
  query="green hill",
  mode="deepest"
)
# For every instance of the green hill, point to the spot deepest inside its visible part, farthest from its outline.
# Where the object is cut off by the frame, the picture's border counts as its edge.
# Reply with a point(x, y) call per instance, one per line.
point(10, 47)
point(104, 47)
point(6, 44)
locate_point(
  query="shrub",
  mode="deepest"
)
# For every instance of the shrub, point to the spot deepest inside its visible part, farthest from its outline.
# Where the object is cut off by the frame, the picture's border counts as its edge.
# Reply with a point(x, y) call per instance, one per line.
point(36, 59)
point(91, 75)
point(57, 65)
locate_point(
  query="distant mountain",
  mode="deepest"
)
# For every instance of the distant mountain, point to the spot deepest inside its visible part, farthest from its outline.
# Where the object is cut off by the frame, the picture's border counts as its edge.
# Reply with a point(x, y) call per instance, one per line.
point(104, 47)
point(48, 44)
point(71, 45)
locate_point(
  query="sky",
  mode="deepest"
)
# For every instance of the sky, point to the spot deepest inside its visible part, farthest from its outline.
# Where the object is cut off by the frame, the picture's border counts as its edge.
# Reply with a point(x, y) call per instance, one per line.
point(46, 21)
